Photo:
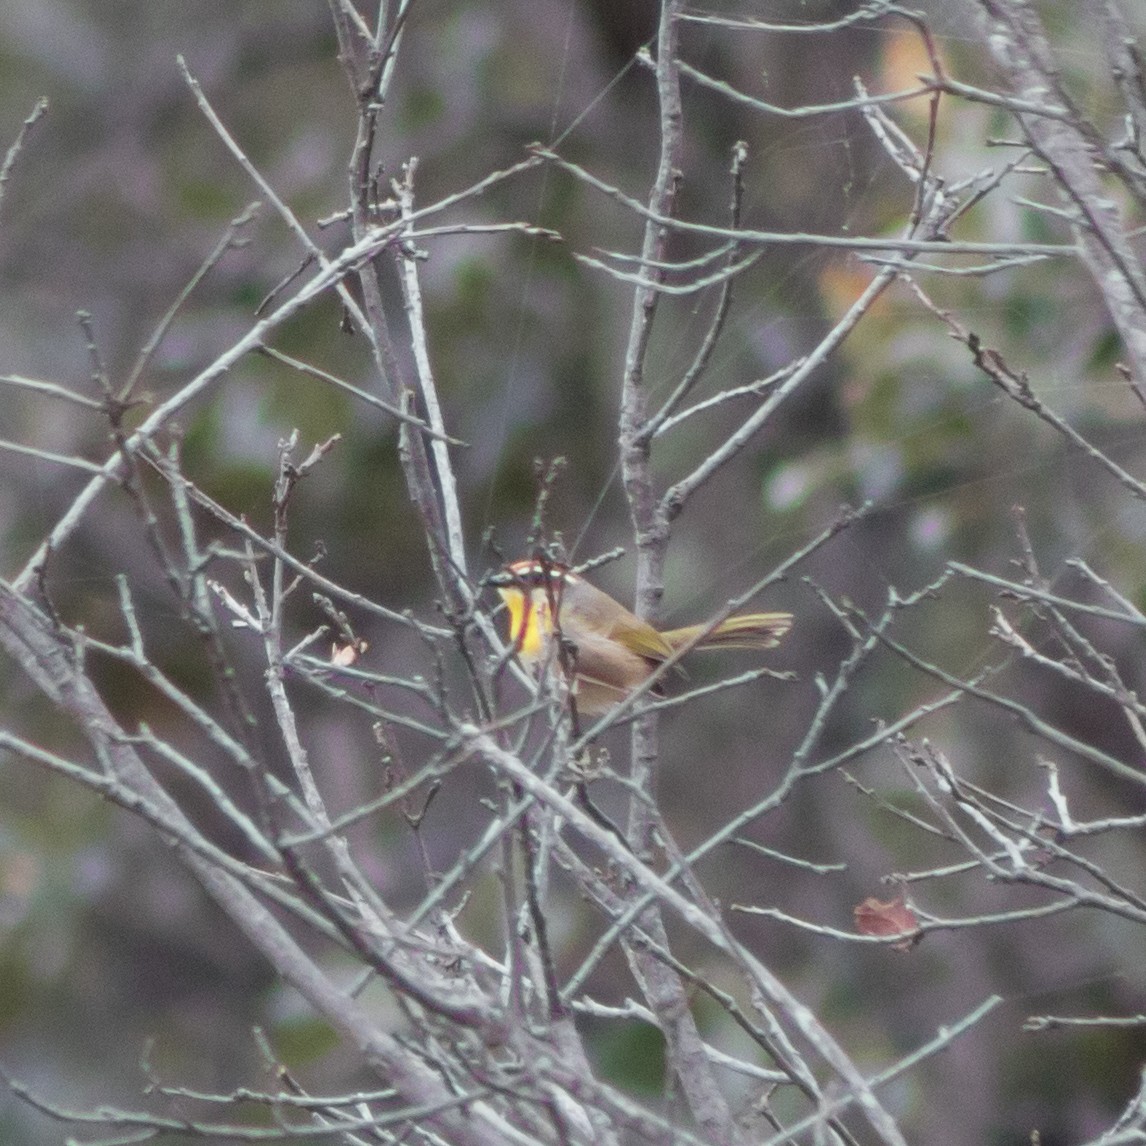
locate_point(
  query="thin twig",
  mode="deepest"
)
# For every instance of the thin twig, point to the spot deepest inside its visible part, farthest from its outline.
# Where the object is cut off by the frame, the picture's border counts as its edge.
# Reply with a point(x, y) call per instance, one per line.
point(13, 153)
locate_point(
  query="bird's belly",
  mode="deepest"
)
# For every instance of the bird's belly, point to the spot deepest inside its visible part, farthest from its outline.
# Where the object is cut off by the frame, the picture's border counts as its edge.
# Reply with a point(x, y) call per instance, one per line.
point(606, 672)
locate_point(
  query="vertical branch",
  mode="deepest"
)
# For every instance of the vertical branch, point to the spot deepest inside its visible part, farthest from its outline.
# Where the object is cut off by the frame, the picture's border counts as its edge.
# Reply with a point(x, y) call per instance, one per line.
point(1126, 67)
point(366, 78)
point(1018, 41)
point(406, 257)
point(650, 530)
point(649, 526)
point(663, 988)
point(270, 614)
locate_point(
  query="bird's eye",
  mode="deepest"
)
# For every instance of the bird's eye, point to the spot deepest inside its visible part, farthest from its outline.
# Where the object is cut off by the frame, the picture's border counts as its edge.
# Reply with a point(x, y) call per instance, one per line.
point(536, 575)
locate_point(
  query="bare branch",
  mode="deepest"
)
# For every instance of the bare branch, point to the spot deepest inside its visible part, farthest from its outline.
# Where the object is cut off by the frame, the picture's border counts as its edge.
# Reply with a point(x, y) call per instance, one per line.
point(13, 153)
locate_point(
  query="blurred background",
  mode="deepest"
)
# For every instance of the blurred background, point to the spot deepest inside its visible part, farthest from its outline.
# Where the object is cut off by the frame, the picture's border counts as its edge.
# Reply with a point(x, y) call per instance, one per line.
point(112, 962)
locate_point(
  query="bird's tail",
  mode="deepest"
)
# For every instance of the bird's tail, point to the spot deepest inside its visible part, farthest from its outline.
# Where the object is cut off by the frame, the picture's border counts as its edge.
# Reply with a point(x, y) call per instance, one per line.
point(747, 631)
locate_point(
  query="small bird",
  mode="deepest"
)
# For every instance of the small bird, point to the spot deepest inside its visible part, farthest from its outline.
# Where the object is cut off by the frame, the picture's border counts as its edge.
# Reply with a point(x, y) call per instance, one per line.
point(610, 650)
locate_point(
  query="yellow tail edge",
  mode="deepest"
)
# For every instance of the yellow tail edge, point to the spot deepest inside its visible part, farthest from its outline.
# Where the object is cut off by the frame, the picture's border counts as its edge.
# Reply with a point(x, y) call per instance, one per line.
point(746, 631)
